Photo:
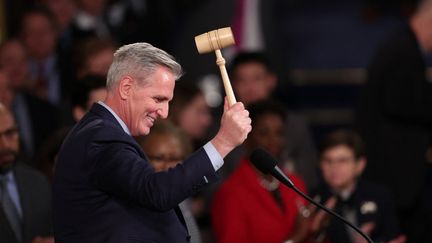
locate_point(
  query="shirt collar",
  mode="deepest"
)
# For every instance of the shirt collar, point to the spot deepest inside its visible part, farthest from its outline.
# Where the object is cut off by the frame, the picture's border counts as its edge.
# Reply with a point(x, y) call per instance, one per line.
point(119, 120)
point(8, 176)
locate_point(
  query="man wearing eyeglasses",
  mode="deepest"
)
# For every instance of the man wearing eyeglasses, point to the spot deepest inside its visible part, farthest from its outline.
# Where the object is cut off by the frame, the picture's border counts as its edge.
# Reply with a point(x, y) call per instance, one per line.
point(25, 195)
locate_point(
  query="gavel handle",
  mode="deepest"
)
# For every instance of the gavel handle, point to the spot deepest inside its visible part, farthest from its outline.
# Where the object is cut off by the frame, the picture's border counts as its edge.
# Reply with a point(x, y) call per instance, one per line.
point(220, 61)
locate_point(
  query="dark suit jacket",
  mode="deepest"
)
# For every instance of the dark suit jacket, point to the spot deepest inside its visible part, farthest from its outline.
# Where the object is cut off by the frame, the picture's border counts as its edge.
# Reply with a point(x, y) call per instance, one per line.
point(106, 191)
point(395, 117)
point(35, 195)
point(42, 118)
point(371, 203)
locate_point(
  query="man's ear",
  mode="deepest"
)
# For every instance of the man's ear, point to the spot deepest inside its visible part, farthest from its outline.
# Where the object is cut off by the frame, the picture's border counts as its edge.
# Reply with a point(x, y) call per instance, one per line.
point(125, 87)
point(272, 81)
point(361, 165)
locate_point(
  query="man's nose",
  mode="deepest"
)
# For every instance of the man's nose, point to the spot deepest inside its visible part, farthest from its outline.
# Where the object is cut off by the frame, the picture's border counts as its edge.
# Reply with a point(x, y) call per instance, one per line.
point(163, 111)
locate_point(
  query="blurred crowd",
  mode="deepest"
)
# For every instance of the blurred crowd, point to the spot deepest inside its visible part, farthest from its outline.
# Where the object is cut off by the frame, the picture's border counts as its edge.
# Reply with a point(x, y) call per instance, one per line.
point(377, 173)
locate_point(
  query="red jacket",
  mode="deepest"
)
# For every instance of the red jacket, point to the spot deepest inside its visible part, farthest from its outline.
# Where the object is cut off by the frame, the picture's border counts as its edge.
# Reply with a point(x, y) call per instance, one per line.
point(244, 211)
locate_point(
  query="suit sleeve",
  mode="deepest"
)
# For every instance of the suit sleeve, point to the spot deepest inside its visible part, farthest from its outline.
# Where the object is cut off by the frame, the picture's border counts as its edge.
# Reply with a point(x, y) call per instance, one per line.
point(122, 172)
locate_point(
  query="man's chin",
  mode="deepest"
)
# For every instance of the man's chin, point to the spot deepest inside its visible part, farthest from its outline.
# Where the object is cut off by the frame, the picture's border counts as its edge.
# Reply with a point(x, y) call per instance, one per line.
point(145, 130)
point(141, 132)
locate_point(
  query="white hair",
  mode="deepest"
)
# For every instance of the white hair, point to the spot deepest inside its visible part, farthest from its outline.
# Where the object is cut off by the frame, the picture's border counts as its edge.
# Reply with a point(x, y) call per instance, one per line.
point(140, 60)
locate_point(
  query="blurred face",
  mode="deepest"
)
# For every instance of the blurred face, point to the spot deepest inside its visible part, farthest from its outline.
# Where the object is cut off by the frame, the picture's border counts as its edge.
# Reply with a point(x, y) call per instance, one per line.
point(9, 145)
point(95, 96)
point(268, 133)
point(195, 118)
point(13, 59)
point(6, 94)
point(164, 151)
point(253, 82)
point(39, 36)
point(63, 11)
point(340, 167)
point(93, 7)
point(149, 102)
point(100, 63)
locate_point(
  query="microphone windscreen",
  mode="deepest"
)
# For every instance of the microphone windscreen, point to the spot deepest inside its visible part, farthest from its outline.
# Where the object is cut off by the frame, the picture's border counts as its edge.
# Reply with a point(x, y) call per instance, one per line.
point(263, 160)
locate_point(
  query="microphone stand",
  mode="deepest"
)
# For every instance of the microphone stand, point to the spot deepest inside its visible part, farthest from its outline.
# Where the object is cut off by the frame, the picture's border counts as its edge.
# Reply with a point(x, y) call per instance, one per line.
point(265, 163)
point(286, 181)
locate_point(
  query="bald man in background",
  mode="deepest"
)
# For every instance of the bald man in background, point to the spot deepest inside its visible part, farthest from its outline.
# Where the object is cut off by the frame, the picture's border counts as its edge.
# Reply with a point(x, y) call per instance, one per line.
point(25, 194)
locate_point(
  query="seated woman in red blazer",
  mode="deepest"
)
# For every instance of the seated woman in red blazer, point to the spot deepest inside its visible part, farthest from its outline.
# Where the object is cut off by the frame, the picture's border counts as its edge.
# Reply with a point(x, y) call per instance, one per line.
point(252, 207)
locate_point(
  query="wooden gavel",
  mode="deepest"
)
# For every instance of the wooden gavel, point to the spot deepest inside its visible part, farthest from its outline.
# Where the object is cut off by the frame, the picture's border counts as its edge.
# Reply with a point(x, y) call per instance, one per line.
point(213, 41)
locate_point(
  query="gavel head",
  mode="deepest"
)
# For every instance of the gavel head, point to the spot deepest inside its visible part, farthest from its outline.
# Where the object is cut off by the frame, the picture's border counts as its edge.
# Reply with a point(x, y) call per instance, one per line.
point(214, 40)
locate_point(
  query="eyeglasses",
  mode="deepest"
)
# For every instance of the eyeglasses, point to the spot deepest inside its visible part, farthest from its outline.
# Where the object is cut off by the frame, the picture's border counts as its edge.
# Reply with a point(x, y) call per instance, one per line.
point(9, 133)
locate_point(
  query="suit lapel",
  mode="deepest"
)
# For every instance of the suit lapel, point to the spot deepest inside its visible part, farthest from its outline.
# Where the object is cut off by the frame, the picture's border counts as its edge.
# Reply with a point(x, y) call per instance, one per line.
point(101, 111)
point(180, 215)
point(24, 186)
point(6, 233)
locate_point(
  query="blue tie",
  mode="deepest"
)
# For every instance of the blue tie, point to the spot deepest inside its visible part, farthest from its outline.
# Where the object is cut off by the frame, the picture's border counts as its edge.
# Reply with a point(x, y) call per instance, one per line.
point(10, 209)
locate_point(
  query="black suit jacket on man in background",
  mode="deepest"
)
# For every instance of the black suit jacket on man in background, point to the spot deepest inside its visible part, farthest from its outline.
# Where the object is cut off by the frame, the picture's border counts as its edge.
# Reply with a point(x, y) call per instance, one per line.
point(370, 203)
point(35, 198)
point(105, 190)
point(395, 121)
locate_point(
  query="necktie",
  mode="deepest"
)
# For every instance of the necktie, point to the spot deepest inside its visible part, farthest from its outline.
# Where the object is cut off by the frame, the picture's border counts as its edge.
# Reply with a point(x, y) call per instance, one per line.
point(10, 210)
point(349, 213)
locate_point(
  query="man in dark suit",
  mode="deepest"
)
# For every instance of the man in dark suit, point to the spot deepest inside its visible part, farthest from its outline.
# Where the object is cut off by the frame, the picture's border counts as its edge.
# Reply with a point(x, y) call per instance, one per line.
point(395, 119)
point(105, 190)
point(25, 195)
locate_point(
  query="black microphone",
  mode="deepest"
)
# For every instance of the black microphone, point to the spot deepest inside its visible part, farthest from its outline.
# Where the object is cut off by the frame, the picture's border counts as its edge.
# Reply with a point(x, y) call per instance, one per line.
point(267, 164)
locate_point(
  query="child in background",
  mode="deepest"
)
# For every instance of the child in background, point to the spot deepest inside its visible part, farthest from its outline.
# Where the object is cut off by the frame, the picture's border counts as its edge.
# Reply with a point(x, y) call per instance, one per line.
point(369, 206)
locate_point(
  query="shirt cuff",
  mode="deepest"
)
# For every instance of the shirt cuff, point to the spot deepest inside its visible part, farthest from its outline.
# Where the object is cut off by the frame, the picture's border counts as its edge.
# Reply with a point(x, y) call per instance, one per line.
point(215, 158)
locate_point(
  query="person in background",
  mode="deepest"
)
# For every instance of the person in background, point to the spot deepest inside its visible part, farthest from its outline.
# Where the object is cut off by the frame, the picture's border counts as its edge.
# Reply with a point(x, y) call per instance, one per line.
point(14, 61)
point(253, 80)
point(36, 117)
point(90, 20)
point(166, 146)
point(94, 57)
point(39, 37)
point(365, 204)
point(190, 112)
point(25, 194)
point(395, 121)
point(252, 207)
point(87, 91)
point(63, 12)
